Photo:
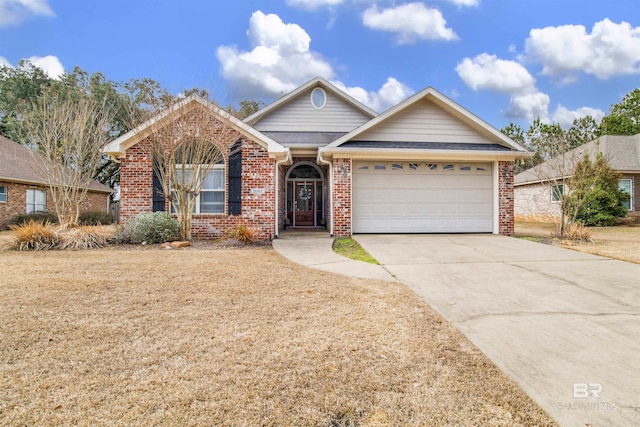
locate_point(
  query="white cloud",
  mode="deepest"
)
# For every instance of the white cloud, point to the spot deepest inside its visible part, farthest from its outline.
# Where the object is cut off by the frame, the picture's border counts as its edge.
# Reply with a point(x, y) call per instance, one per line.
point(465, 3)
point(529, 106)
point(313, 4)
point(50, 64)
point(565, 117)
point(488, 72)
point(13, 12)
point(390, 94)
point(410, 22)
point(609, 50)
point(280, 59)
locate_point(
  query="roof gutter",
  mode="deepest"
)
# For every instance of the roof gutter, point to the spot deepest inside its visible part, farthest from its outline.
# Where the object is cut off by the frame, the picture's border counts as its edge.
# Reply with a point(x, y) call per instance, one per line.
point(420, 154)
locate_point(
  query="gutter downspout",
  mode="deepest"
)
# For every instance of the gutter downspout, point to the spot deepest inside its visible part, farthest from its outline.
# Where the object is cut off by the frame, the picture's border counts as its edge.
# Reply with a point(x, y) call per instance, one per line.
point(277, 209)
point(321, 160)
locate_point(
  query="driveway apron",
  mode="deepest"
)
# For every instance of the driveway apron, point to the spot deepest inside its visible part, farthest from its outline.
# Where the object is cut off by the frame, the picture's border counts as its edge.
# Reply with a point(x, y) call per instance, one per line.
point(565, 326)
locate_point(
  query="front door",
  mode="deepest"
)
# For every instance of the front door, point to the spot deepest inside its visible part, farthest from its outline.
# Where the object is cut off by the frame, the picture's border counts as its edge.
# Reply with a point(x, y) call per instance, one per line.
point(304, 204)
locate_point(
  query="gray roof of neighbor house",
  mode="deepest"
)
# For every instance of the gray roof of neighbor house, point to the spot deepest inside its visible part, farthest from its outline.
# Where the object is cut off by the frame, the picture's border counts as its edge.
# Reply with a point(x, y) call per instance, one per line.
point(623, 153)
point(20, 164)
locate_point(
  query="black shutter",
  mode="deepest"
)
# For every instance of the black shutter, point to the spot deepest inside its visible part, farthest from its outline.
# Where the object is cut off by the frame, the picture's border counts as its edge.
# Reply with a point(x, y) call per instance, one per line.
point(235, 179)
point(158, 195)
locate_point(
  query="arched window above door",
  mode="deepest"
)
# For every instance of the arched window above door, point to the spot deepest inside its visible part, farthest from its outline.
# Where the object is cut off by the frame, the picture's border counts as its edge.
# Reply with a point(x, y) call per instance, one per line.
point(305, 171)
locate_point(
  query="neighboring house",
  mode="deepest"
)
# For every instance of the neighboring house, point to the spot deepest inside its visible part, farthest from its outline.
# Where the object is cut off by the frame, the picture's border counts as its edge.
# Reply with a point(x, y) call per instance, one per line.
point(23, 186)
point(537, 199)
point(317, 158)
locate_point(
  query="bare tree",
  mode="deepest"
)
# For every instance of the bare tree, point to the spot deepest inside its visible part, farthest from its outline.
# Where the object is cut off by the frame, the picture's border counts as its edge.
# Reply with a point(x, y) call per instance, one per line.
point(188, 152)
point(69, 131)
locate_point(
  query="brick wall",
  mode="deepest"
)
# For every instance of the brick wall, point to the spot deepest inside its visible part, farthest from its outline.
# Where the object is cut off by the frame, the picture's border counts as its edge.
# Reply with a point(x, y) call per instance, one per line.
point(533, 203)
point(16, 203)
point(505, 198)
point(258, 181)
point(342, 197)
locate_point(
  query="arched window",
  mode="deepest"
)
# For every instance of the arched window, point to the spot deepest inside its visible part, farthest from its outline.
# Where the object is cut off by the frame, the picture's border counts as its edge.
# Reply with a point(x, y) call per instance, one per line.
point(304, 171)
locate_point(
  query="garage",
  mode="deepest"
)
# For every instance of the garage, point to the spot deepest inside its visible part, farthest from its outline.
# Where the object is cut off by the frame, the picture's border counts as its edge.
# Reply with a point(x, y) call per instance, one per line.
point(422, 197)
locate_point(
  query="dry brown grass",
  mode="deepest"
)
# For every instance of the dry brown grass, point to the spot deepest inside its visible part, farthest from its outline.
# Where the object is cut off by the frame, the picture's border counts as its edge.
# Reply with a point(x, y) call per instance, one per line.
point(618, 242)
point(232, 337)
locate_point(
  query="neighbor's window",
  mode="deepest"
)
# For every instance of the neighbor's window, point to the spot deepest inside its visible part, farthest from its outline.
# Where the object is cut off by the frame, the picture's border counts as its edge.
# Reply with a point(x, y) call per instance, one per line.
point(556, 192)
point(36, 201)
point(211, 197)
point(3, 194)
point(625, 186)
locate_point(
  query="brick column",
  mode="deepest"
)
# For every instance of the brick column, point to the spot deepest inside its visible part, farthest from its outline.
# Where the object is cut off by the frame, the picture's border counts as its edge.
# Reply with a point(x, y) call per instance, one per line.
point(136, 178)
point(505, 198)
point(341, 197)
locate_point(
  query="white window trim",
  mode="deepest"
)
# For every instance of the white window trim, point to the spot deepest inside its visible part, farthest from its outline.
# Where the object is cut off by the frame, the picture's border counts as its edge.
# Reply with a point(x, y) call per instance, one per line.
point(223, 190)
point(5, 193)
point(552, 192)
point(630, 191)
point(35, 204)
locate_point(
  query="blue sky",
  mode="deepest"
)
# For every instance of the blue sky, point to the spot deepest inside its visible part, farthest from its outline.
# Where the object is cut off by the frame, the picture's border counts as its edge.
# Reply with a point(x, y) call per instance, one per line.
point(503, 60)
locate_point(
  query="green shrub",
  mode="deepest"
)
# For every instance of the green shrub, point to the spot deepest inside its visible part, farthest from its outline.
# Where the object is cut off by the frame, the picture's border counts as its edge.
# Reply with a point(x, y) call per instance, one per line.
point(96, 218)
point(42, 217)
point(156, 227)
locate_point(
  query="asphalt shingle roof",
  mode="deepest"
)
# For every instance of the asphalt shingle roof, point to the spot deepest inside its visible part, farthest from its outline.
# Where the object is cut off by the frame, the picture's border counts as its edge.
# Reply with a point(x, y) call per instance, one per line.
point(20, 164)
point(426, 145)
point(622, 151)
point(304, 139)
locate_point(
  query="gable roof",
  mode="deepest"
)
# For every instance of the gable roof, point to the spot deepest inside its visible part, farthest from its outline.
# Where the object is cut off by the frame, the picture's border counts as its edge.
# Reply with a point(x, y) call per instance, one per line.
point(318, 81)
point(22, 165)
point(117, 148)
point(449, 106)
point(622, 152)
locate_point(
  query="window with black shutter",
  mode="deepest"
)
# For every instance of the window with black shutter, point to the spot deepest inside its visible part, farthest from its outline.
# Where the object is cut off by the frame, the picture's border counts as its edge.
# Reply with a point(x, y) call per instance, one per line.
point(235, 179)
point(158, 194)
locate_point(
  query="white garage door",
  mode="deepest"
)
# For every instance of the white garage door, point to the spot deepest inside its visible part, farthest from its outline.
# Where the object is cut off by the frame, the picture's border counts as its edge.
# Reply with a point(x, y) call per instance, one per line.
point(423, 197)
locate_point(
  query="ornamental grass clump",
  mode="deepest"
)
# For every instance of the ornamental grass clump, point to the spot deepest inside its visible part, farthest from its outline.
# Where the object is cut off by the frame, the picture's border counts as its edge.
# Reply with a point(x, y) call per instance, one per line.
point(34, 236)
point(83, 237)
point(578, 232)
point(243, 234)
point(38, 236)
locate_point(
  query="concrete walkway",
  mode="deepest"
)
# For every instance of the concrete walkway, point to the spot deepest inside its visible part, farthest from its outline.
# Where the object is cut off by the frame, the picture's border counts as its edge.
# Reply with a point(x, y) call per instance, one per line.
point(563, 325)
point(314, 249)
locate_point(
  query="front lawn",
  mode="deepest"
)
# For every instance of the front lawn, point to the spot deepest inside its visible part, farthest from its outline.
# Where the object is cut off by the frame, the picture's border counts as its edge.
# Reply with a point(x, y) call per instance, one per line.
point(231, 337)
point(618, 242)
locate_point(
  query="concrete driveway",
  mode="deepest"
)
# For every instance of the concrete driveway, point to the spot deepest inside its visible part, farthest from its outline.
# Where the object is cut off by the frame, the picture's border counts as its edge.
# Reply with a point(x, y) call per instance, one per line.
point(564, 325)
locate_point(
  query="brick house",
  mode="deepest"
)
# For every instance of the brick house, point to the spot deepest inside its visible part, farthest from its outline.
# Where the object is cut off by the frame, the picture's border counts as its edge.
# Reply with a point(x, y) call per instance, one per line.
point(317, 158)
point(538, 199)
point(24, 189)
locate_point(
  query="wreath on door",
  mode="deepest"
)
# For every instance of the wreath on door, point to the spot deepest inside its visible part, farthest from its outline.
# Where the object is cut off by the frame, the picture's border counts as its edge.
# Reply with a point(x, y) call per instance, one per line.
point(305, 193)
